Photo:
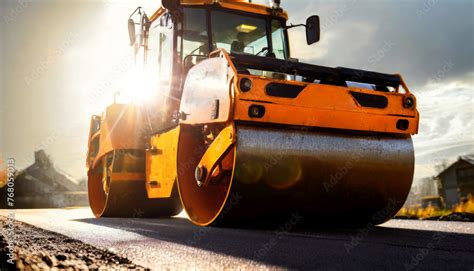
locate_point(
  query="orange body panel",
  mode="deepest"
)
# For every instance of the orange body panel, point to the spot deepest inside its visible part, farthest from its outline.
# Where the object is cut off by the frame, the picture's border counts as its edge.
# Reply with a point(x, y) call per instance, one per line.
point(310, 117)
point(320, 105)
point(325, 106)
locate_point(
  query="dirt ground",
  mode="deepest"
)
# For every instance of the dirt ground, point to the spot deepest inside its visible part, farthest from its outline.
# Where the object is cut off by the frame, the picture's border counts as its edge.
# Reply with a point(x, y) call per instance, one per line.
point(38, 249)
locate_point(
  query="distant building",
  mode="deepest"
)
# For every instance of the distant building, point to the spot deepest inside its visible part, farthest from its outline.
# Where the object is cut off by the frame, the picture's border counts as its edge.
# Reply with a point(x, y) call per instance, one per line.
point(41, 185)
point(457, 181)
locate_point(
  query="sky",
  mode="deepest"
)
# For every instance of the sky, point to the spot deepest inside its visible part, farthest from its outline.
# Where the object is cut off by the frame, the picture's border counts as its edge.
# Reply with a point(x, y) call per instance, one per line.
point(62, 61)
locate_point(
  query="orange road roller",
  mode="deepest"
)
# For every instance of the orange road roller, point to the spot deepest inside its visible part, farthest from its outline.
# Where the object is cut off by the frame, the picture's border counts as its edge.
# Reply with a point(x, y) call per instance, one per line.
point(234, 130)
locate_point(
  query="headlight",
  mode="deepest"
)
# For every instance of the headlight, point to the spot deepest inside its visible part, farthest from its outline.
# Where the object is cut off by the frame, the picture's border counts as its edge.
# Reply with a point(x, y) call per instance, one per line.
point(409, 102)
point(245, 84)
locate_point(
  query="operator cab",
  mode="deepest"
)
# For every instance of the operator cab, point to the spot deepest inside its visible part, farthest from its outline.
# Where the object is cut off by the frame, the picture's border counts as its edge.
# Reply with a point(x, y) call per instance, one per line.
point(184, 33)
point(181, 35)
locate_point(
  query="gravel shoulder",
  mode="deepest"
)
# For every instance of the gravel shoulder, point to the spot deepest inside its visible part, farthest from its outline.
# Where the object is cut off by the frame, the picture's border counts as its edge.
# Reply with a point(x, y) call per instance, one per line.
point(38, 249)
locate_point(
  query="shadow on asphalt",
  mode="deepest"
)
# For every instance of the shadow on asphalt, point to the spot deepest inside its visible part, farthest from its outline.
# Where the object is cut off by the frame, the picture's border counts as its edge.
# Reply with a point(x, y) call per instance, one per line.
point(308, 248)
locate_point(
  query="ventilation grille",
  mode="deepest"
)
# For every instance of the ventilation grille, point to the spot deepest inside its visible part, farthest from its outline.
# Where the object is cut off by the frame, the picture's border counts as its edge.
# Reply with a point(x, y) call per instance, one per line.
point(283, 90)
point(370, 100)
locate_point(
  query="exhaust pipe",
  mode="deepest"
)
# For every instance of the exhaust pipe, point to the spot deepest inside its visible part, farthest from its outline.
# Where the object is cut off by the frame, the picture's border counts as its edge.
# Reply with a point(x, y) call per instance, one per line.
point(275, 4)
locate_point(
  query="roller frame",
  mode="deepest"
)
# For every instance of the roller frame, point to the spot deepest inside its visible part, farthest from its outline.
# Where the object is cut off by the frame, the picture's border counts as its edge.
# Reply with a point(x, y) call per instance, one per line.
point(214, 155)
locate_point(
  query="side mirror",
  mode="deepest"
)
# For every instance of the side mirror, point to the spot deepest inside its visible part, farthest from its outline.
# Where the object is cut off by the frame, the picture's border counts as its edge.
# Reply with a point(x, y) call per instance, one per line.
point(312, 29)
point(131, 32)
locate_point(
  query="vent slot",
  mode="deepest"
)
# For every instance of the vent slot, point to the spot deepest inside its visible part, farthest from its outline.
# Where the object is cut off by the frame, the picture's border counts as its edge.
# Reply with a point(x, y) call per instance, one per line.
point(283, 90)
point(370, 100)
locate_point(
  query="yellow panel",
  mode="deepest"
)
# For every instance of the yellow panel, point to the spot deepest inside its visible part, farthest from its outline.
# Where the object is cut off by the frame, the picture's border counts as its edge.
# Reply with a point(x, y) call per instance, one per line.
point(161, 164)
point(121, 128)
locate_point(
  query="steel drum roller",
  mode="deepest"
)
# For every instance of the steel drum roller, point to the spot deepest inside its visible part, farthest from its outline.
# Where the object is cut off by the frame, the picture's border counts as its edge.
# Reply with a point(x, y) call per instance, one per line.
point(325, 177)
point(124, 197)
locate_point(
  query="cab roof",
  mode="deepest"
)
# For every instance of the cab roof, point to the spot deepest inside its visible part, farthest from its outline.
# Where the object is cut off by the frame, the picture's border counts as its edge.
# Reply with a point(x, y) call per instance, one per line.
point(240, 5)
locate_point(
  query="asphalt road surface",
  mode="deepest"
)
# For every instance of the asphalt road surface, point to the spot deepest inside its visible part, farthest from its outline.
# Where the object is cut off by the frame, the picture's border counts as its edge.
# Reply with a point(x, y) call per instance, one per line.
point(177, 244)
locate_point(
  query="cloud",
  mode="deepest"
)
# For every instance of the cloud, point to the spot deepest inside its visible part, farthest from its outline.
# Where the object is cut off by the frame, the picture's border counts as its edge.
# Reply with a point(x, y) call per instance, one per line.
point(446, 125)
point(427, 34)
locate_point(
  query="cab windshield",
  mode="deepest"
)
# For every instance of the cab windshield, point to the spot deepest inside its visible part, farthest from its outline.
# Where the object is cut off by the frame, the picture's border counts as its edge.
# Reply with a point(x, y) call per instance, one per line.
point(236, 33)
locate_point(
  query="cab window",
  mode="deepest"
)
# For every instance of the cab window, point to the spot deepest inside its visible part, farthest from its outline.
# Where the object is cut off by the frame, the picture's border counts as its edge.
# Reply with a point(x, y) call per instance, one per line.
point(239, 34)
point(278, 40)
point(195, 38)
point(159, 50)
point(157, 74)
